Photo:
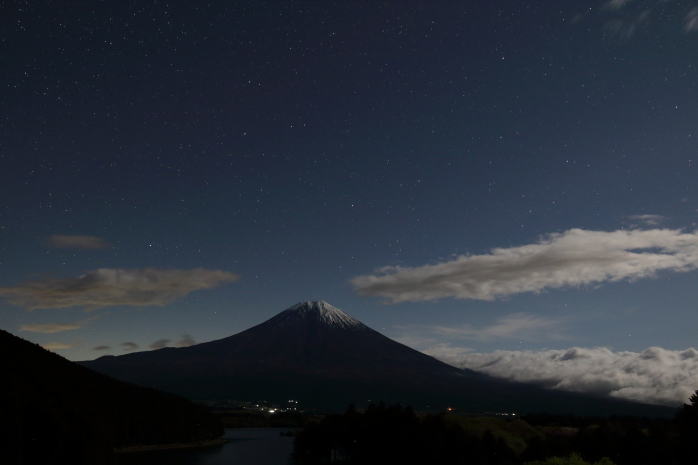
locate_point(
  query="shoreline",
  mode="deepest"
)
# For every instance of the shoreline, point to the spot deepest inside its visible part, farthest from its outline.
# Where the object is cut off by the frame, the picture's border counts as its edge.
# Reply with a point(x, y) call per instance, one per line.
point(170, 446)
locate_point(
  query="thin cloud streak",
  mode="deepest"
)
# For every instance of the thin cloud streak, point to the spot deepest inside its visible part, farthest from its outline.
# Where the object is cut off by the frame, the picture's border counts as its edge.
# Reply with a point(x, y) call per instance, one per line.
point(185, 341)
point(573, 258)
point(159, 344)
point(647, 219)
point(129, 346)
point(628, 17)
point(691, 21)
point(53, 346)
point(655, 375)
point(516, 325)
point(616, 4)
point(627, 27)
point(109, 287)
point(63, 241)
point(50, 328)
point(447, 352)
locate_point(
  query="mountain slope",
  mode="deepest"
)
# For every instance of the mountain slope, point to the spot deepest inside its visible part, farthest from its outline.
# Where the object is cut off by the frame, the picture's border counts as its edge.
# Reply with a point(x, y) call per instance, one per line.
point(54, 411)
point(318, 354)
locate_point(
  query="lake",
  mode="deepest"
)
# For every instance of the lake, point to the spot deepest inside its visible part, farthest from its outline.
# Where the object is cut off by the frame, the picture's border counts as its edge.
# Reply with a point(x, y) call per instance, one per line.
point(246, 446)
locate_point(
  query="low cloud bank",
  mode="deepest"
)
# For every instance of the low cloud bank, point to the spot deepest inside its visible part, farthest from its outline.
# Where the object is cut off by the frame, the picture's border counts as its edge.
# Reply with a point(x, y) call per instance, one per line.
point(108, 287)
point(655, 375)
point(572, 258)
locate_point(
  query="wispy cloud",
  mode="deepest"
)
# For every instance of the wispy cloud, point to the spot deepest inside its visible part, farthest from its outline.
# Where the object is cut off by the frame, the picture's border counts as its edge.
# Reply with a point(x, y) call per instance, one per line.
point(655, 375)
point(50, 328)
point(646, 219)
point(691, 21)
point(129, 346)
point(514, 326)
point(575, 257)
point(101, 348)
point(446, 352)
point(625, 18)
point(63, 241)
point(617, 4)
point(185, 341)
point(445, 342)
point(56, 346)
point(108, 287)
point(626, 27)
point(159, 344)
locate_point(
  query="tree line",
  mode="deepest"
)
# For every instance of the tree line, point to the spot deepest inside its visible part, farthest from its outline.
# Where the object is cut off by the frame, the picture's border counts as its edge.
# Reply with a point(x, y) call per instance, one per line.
point(396, 434)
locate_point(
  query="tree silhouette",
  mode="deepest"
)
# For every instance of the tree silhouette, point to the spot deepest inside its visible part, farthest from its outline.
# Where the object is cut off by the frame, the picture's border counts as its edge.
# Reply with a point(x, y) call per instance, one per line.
point(688, 415)
point(694, 399)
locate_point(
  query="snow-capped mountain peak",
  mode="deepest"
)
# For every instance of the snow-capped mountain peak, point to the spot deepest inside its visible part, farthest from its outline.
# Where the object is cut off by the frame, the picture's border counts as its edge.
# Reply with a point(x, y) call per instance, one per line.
point(323, 311)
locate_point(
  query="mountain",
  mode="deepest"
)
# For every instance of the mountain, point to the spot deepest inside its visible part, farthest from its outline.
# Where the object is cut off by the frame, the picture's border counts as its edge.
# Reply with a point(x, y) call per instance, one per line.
point(325, 358)
point(54, 411)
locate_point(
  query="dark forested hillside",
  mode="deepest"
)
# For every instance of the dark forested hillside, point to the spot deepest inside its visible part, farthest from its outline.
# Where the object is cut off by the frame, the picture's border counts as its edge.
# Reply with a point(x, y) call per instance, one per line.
point(56, 412)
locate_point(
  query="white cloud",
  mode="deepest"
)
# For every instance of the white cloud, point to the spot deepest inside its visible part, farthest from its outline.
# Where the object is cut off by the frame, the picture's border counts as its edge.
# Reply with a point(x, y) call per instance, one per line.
point(655, 375)
point(575, 257)
point(108, 287)
point(691, 21)
point(516, 325)
point(50, 328)
point(63, 241)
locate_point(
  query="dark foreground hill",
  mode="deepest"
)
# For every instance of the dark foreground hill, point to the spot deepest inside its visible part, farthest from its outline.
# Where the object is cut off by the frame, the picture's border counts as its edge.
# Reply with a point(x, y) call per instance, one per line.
point(323, 357)
point(53, 411)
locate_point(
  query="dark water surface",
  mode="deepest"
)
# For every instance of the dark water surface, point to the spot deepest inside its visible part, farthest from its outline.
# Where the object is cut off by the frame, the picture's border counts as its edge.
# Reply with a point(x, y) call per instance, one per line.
point(246, 446)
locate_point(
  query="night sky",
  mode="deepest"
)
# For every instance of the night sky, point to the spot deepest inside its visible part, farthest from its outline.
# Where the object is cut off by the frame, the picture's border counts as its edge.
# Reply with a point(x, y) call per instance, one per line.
point(465, 177)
